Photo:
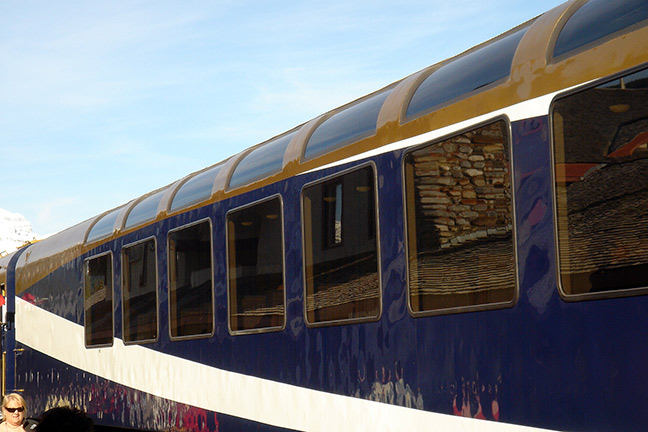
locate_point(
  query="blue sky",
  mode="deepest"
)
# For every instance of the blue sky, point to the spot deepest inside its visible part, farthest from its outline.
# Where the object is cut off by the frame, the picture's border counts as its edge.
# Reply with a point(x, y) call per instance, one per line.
point(104, 101)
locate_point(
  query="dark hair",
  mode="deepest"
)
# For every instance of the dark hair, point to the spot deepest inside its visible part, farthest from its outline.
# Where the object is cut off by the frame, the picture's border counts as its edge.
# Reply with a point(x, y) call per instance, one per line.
point(65, 419)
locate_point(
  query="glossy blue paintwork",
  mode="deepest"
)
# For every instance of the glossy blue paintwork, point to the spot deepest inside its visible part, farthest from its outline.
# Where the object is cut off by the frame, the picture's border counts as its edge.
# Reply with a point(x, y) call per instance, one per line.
point(544, 361)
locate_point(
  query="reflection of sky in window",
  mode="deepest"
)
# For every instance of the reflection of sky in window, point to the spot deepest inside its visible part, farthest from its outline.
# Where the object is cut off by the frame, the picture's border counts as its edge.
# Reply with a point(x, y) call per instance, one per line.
point(597, 19)
point(104, 227)
point(144, 211)
point(196, 189)
point(261, 162)
point(637, 80)
point(466, 74)
point(352, 124)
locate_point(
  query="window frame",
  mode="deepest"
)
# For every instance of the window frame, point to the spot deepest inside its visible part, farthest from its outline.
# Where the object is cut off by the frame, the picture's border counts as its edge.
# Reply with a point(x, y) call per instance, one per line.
point(283, 267)
point(213, 295)
point(406, 226)
point(340, 174)
point(124, 263)
point(607, 294)
point(112, 300)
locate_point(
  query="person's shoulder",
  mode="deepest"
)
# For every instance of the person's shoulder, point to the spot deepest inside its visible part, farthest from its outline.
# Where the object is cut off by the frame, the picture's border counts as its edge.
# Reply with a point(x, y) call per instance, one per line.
point(30, 425)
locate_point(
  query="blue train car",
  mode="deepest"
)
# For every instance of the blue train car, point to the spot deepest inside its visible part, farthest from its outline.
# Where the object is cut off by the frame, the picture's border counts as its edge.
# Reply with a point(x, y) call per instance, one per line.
point(465, 249)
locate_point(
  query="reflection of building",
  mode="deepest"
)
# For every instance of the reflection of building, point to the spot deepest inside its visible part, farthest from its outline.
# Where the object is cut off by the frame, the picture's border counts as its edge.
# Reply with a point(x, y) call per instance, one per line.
point(601, 139)
point(600, 121)
point(461, 249)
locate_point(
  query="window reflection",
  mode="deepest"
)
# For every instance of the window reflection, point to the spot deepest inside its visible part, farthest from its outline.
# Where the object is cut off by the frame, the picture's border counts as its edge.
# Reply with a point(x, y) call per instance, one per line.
point(460, 222)
point(341, 255)
point(98, 301)
point(256, 279)
point(601, 169)
point(140, 292)
point(191, 301)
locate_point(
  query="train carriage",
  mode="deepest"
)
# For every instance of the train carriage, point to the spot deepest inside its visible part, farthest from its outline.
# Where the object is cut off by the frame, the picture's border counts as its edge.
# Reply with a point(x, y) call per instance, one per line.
point(464, 249)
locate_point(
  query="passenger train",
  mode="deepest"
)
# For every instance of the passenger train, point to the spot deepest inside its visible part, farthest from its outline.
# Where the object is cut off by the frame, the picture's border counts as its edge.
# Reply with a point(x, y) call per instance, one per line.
point(464, 249)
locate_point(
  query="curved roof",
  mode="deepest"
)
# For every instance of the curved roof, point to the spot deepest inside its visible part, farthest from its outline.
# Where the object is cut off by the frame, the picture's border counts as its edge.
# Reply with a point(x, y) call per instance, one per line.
point(347, 125)
point(465, 74)
point(261, 161)
point(596, 21)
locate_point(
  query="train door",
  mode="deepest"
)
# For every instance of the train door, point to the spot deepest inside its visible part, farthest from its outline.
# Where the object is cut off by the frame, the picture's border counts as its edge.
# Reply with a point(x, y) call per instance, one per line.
point(4, 262)
point(3, 296)
point(8, 326)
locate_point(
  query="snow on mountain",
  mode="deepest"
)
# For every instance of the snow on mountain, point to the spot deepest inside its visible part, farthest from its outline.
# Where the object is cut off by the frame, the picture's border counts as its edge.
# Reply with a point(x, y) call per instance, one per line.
point(15, 231)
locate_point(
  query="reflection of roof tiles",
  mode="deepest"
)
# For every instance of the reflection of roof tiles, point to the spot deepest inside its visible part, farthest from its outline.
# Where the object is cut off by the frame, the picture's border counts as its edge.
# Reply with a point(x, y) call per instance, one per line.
point(608, 219)
point(465, 270)
point(365, 287)
point(606, 184)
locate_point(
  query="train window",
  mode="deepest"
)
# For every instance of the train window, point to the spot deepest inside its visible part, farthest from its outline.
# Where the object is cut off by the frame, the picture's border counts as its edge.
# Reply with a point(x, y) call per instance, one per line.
point(349, 125)
point(340, 248)
point(255, 270)
point(466, 74)
point(596, 20)
point(460, 222)
point(601, 172)
point(98, 301)
point(261, 162)
point(139, 292)
point(144, 211)
point(198, 188)
point(191, 299)
point(104, 226)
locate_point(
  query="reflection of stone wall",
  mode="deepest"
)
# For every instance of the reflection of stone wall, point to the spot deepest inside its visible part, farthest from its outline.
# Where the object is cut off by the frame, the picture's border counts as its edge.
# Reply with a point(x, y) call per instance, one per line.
point(463, 188)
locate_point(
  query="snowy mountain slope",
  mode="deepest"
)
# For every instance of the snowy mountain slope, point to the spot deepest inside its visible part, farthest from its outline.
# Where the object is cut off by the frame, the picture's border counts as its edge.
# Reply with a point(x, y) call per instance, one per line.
point(15, 230)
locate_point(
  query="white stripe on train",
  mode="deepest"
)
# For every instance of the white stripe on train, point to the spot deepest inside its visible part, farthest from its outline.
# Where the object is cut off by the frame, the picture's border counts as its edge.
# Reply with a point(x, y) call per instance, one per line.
point(226, 392)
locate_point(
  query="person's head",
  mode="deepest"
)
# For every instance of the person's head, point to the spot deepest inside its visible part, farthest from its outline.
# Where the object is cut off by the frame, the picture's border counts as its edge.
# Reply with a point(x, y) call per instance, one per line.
point(65, 419)
point(14, 409)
